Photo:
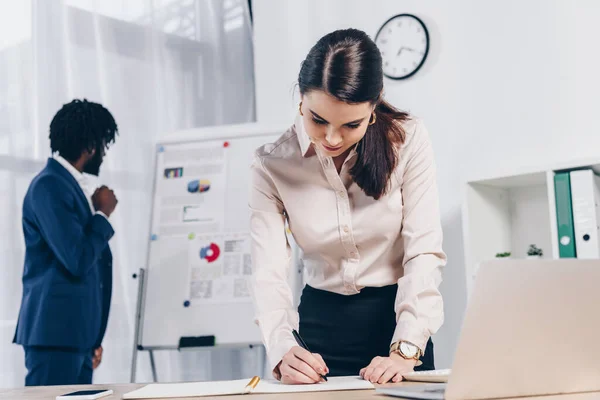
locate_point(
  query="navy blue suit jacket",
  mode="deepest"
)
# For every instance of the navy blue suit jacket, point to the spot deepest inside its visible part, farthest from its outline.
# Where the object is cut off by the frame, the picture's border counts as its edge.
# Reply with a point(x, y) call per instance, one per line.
point(67, 277)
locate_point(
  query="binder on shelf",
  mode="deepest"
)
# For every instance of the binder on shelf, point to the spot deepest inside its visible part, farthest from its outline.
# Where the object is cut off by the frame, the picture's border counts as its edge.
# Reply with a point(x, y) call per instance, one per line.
point(585, 197)
point(564, 215)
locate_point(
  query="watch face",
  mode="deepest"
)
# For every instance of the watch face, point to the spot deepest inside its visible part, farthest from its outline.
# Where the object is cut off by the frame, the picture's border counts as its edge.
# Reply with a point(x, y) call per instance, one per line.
point(404, 43)
point(408, 350)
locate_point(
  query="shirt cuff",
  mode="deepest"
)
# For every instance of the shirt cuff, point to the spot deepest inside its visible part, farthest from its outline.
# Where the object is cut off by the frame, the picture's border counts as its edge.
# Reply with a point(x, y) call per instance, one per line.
point(410, 332)
point(105, 216)
point(277, 352)
point(276, 328)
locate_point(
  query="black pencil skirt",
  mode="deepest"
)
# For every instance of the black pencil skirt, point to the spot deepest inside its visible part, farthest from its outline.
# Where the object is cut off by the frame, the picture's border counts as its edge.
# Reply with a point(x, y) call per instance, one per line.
point(349, 331)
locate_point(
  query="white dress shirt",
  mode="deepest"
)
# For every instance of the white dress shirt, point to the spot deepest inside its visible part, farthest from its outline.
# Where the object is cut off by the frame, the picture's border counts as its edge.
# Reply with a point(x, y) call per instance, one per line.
point(82, 181)
point(349, 240)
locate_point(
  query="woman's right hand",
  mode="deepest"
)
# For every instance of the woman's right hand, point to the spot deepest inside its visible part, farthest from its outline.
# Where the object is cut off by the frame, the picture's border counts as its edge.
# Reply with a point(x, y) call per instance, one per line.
point(299, 366)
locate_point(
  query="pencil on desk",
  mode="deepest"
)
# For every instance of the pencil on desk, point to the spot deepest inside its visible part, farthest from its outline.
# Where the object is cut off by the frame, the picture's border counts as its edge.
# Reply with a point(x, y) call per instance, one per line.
point(251, 385)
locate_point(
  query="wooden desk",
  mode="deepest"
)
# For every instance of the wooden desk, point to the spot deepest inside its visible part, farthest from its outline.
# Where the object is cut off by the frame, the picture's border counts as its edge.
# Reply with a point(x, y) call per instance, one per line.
point(50, 392)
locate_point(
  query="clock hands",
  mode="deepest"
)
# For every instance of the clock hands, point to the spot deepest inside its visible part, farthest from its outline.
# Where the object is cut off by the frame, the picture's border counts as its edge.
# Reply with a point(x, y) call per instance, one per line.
point(407, 49)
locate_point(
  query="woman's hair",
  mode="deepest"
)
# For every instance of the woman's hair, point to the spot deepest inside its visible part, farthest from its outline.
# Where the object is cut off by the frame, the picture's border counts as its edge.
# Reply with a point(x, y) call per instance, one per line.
point(346, 64)
point(81, 125)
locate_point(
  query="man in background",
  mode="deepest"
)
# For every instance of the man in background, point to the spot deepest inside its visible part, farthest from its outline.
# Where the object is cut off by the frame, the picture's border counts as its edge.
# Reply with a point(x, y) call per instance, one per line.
point(67, 277)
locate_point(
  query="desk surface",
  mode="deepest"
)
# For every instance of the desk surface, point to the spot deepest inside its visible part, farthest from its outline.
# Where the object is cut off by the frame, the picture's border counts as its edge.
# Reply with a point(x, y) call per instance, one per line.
point(50, 393)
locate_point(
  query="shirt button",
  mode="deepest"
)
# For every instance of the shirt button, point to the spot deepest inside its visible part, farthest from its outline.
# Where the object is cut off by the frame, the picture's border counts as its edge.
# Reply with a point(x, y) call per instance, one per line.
point(326, 162)
point(341, 194)
point(346, 229)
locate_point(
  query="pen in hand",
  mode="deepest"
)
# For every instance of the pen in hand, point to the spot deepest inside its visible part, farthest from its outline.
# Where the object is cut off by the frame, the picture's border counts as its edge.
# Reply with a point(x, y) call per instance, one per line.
point(302, 344)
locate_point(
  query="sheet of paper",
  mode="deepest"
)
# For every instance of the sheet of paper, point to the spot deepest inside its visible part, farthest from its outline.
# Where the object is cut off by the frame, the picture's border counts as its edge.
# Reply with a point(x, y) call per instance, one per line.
point(334, 384)
point(220, 266)
point(199, 389)
point(192, 389)
point(190, 190)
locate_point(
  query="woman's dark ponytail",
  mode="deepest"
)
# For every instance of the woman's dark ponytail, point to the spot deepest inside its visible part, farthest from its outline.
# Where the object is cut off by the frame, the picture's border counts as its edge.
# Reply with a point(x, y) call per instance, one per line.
point(347, 65)
point(377, 151)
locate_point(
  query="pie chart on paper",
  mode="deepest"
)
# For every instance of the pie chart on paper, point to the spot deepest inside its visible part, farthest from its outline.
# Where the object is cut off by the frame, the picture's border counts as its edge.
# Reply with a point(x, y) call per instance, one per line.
point(199, 186)
point(203, 185)
point(210, 253)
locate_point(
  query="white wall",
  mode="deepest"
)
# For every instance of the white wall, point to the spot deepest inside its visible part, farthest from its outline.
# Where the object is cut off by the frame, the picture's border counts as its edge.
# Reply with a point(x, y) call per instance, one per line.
point(507, 83)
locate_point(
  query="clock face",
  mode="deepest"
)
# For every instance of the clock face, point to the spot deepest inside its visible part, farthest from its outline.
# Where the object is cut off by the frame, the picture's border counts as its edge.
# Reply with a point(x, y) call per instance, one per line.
point(404, 43)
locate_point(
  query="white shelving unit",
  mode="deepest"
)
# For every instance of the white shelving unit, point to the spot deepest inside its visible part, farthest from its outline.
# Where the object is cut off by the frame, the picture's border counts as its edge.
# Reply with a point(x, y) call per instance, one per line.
point(510, 211)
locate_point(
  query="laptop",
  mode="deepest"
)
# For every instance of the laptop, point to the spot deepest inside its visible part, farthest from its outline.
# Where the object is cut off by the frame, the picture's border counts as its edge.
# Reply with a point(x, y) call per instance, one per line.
point(531, 328)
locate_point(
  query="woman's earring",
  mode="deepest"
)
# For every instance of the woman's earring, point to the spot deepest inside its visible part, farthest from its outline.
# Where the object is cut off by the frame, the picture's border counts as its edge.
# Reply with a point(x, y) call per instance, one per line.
point(300, 108)
point(373, 119)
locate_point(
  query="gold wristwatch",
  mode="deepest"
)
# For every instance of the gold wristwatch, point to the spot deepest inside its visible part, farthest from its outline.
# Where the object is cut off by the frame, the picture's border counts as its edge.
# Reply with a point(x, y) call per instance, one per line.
point(407, 350)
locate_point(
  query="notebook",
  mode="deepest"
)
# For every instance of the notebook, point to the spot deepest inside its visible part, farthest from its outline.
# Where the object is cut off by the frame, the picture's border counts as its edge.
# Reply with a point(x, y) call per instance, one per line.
point(221, 388)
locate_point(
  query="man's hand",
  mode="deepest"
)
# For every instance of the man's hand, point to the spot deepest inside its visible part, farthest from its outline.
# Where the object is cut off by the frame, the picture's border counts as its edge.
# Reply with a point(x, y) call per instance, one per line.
point(97, 357)
point(104, 200)
point(299, 366)
point(386, 369)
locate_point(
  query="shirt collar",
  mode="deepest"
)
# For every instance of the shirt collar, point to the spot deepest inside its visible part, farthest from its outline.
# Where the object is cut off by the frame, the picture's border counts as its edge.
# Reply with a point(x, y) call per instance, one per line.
point(303, 138)
point(79, 177)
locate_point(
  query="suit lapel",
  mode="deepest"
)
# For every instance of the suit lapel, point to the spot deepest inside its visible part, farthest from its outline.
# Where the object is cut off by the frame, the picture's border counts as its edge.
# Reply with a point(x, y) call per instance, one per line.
point(54, 167)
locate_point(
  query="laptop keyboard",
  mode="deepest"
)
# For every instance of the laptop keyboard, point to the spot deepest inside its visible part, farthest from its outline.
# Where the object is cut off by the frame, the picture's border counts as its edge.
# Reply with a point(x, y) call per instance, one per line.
point(436, 389)
point(437, 372)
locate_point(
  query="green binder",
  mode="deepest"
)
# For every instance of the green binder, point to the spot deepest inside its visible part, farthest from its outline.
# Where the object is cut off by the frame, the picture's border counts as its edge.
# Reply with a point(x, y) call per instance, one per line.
point(564, 215)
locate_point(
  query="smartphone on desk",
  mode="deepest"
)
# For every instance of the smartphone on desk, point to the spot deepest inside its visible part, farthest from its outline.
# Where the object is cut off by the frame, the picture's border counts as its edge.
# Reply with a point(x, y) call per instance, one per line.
point(85, 395)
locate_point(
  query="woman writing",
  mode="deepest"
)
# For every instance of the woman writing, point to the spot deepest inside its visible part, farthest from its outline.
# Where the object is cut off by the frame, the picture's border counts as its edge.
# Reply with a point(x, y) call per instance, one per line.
point(355, 180)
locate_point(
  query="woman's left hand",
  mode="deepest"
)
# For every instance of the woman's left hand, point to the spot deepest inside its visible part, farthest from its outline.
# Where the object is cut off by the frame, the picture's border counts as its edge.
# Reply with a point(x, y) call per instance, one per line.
point(386, 369)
